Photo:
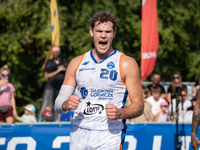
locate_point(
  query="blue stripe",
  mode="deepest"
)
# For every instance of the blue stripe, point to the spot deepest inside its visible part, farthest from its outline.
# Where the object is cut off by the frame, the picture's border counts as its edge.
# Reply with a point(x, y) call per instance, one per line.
point(102, 59)
point(123, 135)
point(92, 56)
point(123, 103)
point(124, 99)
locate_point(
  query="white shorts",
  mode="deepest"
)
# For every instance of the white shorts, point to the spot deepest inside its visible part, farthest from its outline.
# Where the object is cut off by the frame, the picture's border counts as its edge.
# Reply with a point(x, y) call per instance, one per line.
point(83, 139)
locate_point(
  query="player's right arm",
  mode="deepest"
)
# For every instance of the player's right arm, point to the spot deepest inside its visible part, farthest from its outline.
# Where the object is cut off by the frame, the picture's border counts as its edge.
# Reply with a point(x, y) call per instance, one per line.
point(195, 123)
point(65, 101)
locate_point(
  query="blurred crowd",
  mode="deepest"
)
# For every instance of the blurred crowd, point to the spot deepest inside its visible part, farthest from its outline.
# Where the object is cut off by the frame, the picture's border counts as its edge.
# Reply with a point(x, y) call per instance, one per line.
point(167, 106)
point(159, 105)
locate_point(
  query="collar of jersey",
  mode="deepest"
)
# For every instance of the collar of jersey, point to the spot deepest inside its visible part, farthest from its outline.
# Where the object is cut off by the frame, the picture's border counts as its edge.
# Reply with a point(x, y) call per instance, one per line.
point(102, 59)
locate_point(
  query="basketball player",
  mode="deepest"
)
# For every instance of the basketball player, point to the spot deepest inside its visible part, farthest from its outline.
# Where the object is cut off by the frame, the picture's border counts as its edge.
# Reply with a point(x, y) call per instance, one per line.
point(195, 123)
point(104, 77)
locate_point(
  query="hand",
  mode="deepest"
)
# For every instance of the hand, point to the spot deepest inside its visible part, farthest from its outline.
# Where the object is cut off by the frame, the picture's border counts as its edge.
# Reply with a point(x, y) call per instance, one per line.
point(3, 82)
point(61, 68)
point(72, 103)
point(194, 141)
point(113, 112)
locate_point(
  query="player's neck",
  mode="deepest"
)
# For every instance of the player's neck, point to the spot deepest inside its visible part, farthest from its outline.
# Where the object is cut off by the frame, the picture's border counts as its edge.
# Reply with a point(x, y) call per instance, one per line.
point(99, 56)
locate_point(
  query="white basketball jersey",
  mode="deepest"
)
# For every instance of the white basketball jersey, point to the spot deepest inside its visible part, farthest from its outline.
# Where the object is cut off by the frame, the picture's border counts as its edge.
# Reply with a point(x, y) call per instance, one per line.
point(99, 84)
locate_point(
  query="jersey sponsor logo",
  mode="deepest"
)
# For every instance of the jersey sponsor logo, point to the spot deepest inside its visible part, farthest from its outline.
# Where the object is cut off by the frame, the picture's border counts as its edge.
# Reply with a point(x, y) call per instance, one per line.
point(85, 69)
point(85, 63)
point(94, 108)
point(111, 65)
point(84, 92)
point(102, 93)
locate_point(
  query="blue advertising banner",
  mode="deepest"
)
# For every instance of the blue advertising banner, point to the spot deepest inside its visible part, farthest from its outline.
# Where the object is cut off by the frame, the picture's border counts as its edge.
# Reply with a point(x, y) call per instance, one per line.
point(55, 136)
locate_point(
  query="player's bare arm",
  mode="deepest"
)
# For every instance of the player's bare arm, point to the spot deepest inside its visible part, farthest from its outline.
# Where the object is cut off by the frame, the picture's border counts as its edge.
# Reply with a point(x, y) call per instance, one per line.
point(195, 123)
point(65, 97)
point(73, 101)
point(131, 76)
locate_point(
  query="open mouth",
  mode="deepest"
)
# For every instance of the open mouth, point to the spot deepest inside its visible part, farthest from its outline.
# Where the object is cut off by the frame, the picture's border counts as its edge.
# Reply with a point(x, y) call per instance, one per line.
point(103, 43)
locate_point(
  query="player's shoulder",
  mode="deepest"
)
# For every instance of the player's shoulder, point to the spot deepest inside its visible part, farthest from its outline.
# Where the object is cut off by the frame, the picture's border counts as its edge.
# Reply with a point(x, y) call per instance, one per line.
point(129, 66)
point(76, 60)
point(127, 60)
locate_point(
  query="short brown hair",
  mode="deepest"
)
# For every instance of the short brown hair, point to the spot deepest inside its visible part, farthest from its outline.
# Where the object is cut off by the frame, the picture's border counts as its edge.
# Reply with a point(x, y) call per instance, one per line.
point(103, 16)
point(184, 90)
point(155, 89)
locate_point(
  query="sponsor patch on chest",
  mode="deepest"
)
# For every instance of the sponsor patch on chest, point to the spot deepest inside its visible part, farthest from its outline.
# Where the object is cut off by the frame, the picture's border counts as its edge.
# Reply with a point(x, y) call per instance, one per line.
point(94, 108)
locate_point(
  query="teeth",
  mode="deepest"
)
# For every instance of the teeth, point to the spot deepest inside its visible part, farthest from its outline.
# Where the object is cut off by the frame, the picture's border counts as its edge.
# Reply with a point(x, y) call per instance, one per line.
point(103, 42)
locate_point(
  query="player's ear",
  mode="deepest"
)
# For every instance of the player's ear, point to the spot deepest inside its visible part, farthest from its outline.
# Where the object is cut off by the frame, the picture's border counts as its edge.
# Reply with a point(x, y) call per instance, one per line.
point(115, 33)
point(91, 32)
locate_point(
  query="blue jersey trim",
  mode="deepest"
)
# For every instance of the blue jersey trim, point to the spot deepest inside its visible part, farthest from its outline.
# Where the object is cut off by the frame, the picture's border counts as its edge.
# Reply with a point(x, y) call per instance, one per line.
point(103, 59)
point(123, 135)
point(92, 56)
point(123, 103)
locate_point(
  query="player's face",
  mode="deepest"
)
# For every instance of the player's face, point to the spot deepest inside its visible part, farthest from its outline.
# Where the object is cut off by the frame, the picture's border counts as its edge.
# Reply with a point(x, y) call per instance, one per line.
point(103, 34)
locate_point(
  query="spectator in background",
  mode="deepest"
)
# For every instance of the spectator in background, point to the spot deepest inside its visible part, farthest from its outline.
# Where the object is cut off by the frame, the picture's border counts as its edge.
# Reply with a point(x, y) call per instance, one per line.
point(175, 87)
point(162, 115)
point(54, 71)
point(196, 87)
point(183, 105)
point(147, 115)
point(7, 100)
point(29, 114)
point(146, 92)
point(155, 99)
point(47, 108)
point(156, 81)
point(189, 112)
point(47, 116)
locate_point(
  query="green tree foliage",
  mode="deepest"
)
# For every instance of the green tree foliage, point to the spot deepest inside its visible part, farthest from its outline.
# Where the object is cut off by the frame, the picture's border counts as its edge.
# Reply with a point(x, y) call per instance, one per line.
point(25, 36)
point(179, 46)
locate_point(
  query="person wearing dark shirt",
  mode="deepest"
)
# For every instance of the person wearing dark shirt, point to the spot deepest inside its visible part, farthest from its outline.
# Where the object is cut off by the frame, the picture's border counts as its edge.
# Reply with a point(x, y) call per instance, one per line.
point(54, 71)
point(156, 82)
point(175, 87)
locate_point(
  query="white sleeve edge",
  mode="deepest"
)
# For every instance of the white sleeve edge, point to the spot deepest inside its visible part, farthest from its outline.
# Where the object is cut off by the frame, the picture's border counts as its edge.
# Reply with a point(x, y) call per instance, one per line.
point(65, 92)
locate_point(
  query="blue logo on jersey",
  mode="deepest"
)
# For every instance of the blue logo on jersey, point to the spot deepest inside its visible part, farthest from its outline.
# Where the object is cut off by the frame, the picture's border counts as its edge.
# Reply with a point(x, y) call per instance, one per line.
point(110, 65)
point(85, 63)
point(84, 92)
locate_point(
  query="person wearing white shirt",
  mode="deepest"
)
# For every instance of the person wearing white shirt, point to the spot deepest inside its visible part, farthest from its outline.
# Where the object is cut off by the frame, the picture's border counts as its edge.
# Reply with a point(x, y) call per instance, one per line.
point(155, 99)
point(184, 115)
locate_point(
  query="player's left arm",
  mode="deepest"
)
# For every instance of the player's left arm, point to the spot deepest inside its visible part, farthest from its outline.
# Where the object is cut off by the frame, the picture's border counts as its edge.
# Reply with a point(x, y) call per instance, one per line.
point(131, 76)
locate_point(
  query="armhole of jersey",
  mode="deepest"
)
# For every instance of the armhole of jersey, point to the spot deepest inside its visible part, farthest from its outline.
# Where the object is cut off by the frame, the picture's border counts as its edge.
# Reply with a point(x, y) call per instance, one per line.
point(120, 68)
point(79, 64)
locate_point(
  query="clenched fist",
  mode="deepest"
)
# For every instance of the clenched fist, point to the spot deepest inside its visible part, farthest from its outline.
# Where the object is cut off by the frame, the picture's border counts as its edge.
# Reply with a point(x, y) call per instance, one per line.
point(72, 103)
point(113, 112)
